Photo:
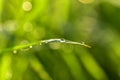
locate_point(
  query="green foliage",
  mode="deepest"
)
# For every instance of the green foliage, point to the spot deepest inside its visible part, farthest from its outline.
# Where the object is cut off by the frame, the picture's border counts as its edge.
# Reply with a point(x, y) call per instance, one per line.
point(31, 47)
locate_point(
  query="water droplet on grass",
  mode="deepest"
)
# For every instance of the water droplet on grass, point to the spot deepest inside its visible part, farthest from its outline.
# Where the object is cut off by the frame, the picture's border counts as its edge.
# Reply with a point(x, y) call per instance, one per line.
point(62, 40)
point(83, 43)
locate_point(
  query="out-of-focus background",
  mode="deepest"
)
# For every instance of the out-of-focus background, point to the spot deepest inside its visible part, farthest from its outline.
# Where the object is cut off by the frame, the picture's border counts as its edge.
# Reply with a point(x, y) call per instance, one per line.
point(96, 22)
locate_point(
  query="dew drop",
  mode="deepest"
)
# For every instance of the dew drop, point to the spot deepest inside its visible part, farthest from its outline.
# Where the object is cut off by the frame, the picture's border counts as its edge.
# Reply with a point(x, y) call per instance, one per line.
point(15, 51)
point(30, 46)
point(82, 43)
point(62, 40)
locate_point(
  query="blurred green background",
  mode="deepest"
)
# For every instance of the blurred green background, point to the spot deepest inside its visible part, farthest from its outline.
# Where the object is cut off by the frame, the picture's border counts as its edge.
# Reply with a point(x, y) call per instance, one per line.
point(96, 22)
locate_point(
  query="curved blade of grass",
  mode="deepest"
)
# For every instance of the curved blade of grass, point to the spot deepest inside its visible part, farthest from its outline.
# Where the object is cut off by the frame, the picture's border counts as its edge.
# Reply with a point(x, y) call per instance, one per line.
point(19, 47)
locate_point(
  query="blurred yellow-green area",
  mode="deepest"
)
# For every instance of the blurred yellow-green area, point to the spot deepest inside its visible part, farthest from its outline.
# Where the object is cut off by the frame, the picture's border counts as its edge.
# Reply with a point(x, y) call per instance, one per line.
point(96, 22)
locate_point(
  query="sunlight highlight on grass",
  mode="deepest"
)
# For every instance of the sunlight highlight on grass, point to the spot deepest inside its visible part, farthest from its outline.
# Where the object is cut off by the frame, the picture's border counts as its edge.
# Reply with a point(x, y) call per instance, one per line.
point(39, 68)
point(92, 66)
point(0, 8)
point(5, 70)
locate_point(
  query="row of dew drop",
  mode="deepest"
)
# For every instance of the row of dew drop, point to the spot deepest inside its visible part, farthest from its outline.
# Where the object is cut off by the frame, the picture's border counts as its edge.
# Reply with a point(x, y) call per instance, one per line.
point(30, 46)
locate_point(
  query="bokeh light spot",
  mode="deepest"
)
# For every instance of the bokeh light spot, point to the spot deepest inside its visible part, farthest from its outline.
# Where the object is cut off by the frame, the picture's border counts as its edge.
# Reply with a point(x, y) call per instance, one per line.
point(15, 52)
point(10, 25)
point(27, 6)
point(28, 27)
point(8, 75)
point(54, 45)
point(30, 46)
